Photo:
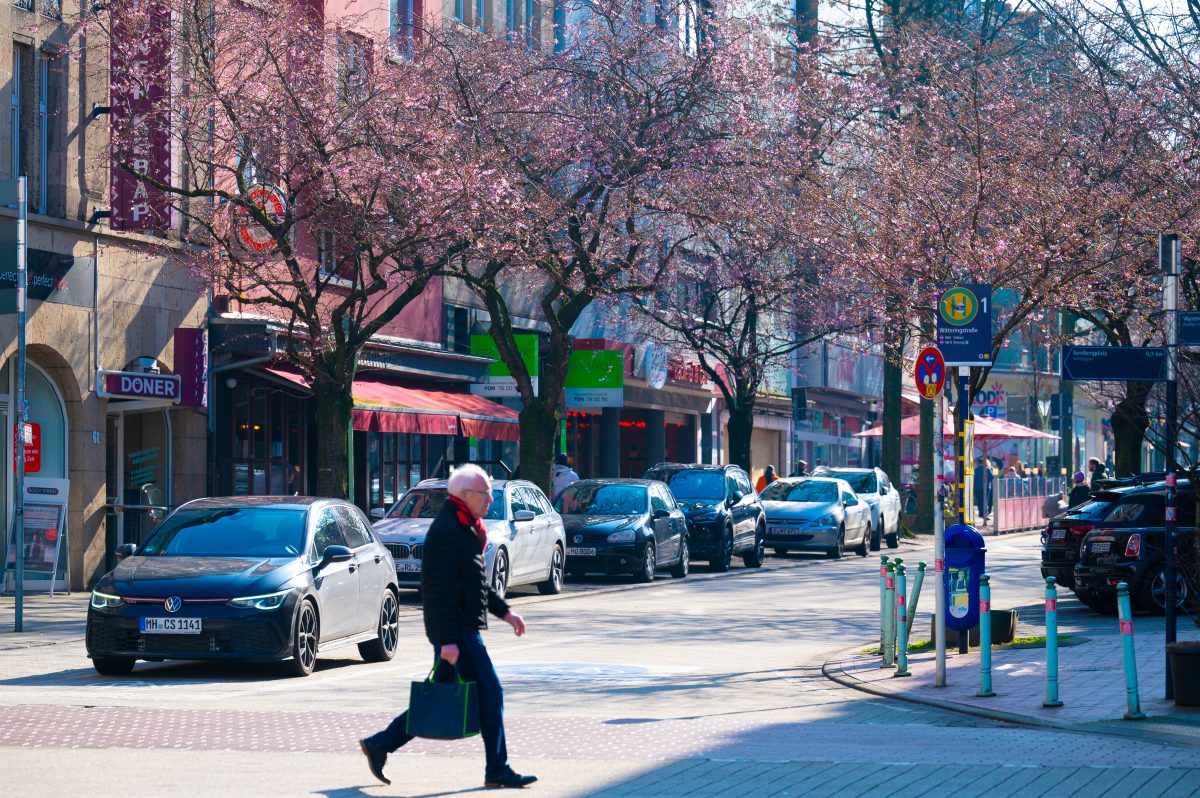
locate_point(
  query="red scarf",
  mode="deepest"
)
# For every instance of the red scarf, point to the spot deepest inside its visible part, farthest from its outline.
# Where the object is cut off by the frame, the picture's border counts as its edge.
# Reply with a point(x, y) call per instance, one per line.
point(468, 519)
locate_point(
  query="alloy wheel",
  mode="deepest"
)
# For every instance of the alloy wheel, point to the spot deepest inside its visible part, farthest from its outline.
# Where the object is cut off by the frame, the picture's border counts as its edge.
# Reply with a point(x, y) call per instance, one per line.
point(500, 574)
point(306, 638)
point(1158, 590)
point(389, 622)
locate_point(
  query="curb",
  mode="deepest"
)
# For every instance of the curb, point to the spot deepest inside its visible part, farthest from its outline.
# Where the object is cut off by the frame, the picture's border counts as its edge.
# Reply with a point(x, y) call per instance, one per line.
point(833, 671)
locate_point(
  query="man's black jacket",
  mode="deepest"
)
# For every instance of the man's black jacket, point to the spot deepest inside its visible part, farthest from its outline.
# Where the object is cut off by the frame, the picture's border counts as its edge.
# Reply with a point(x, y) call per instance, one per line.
point(455, 589)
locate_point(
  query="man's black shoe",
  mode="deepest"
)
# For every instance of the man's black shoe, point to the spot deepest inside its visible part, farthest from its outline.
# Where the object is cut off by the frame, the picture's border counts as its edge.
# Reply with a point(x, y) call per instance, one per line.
point(509, 779)
point(376, 759)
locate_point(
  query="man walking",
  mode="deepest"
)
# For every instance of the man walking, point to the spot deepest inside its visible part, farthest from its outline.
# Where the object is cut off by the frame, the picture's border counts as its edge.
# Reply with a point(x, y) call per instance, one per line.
point(457, 597)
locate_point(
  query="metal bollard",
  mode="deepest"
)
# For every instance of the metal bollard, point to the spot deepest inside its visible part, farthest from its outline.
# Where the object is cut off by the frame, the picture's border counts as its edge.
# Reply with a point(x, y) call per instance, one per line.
point(912, 605)
point(883, 561)
point(1133, 703)
point(901, 623)
point(889, 624)
point(1051, 645)
point(985, 637)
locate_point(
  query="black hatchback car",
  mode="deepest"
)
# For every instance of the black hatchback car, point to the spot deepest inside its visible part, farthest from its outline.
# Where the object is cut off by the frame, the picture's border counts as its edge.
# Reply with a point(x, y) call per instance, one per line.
point(248, 578)
point(623, 526)
point(1127, 546)
point(724, 515)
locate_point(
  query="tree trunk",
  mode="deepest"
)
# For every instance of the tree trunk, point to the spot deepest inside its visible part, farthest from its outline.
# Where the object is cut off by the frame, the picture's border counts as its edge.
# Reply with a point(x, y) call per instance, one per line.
point(927, 470)
point(335, 405)
point(539, 426)
point(1130, 422)
point(893, 354)
point(741, 428)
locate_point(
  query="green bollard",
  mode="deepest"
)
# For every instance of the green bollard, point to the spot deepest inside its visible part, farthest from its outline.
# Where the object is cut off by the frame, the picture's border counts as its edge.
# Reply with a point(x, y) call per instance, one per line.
point(912, 605)
point(901, 623)
point(889, 616)
point(883, 562)
point(985, 637)
point(1051, 645)
point(1133, 703)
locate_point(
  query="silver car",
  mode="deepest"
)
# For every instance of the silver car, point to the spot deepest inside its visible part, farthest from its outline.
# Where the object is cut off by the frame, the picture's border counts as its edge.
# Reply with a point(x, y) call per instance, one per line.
point(816, 513)
point(872, 486)
point(526, 543)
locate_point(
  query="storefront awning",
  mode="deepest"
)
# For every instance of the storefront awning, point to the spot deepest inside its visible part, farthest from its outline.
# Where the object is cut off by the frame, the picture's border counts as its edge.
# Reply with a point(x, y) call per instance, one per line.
point(383, 407)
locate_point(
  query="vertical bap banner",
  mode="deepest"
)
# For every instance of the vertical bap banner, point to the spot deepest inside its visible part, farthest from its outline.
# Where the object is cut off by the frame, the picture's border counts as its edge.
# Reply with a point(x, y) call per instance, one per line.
point(140, 96)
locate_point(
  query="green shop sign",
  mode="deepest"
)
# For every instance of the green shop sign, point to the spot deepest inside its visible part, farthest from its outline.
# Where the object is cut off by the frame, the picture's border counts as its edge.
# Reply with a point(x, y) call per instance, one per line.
point(500, 381)
point(596, 378)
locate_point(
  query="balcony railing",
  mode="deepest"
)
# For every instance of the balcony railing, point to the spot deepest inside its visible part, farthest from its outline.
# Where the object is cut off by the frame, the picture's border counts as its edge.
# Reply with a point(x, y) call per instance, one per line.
point(26, 5)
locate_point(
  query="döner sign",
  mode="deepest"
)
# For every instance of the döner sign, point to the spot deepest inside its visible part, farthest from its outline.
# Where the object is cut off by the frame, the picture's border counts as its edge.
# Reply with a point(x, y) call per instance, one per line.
point(133, 385)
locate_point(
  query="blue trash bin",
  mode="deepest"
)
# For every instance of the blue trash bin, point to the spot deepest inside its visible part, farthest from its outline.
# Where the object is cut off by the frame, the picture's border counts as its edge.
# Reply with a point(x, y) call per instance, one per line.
point(965, 552)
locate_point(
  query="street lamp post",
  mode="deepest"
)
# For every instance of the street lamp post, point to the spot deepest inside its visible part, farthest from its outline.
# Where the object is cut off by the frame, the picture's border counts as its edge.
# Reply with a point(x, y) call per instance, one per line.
point(1168, 259)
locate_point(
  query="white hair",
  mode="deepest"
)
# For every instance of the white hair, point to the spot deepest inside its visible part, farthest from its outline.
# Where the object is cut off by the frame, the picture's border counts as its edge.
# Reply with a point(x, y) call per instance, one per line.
point(466, 477)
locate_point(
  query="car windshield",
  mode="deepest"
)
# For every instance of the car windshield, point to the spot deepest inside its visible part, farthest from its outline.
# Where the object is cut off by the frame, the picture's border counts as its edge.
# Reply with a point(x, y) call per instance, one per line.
point(694, 484)
point(808, 491)
point(229, 532)
point(427, 503)
point(860, 481)
point(602, 500)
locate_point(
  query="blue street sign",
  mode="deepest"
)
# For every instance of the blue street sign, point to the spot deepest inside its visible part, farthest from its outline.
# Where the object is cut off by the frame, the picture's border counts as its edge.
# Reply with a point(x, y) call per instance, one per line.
point(964, 324)
point(1114, 363)
point(1187, 328)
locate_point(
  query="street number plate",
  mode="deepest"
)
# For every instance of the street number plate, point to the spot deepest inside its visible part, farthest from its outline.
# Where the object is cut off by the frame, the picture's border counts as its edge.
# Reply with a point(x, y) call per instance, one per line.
point(170, 626)
point(408, 567)
point(1100, 548)
point(577, 552)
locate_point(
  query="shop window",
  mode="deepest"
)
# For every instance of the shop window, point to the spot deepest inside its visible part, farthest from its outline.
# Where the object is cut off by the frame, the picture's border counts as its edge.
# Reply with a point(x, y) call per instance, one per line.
point(267, 441)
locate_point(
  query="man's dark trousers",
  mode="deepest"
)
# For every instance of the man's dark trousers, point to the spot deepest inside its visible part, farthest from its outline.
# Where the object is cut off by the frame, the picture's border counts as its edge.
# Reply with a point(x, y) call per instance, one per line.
point(474, 665)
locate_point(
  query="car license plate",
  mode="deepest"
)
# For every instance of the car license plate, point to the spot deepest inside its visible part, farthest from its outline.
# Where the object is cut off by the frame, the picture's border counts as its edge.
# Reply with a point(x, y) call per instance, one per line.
point(1100, 548)
point(578, 552)
point(408, 566)
point(170, 626)
point(782, 530)
point(1058, 534)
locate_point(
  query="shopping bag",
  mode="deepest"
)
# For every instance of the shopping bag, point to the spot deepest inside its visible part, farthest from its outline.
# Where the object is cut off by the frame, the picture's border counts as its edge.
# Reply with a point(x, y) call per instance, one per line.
point(443, 710)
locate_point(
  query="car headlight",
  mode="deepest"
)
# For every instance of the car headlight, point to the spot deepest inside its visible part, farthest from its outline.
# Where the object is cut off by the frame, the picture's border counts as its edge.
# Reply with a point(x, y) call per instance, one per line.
point(104, 601)
point(268, 601)
point(826, 520)
point(623, 536)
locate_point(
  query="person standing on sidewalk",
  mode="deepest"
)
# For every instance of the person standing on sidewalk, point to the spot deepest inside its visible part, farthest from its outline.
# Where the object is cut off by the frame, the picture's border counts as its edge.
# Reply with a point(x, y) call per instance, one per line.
point(767, 478)
point(457, 597)
point(561, 476)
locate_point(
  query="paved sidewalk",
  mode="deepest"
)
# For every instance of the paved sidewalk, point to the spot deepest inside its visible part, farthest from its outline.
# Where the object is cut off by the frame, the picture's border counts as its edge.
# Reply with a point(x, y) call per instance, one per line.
point(1091, 684)
point(47, 620)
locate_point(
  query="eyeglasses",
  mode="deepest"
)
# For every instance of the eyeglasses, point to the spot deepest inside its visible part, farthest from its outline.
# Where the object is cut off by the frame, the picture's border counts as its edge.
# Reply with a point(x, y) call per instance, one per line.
point(487, 493)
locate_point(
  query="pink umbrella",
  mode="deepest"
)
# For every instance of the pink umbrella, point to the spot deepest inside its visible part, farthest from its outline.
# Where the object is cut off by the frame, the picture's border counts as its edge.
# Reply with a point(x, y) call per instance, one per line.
point(985, 429)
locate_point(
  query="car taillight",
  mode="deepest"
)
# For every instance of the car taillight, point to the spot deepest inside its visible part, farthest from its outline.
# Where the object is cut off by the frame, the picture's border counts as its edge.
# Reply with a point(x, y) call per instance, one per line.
point(1133, 546)
point(1081, 529)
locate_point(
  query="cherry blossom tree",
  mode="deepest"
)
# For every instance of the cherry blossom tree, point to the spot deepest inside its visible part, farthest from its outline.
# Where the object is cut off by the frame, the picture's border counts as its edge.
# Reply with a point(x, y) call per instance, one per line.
point(313, 183)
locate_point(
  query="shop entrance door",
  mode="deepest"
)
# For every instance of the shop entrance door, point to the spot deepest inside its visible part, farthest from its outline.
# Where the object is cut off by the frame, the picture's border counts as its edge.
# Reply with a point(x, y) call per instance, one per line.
point(139, 475)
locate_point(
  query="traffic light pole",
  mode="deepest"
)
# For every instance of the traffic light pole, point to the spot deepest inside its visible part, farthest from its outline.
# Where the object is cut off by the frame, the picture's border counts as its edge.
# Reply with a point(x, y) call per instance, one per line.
point(1168, 259)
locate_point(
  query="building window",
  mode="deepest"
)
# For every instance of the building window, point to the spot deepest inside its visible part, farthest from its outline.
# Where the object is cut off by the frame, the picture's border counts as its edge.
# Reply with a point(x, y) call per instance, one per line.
point(480, 16)
point(326, 253)
point(458, 329)
point(510, 20)
point(353, 63)
point(533, 25)
point(459, 10)
point(24, 5)
point(53, 131)
point(52, 9)
point(404, 17)
point(268, 441)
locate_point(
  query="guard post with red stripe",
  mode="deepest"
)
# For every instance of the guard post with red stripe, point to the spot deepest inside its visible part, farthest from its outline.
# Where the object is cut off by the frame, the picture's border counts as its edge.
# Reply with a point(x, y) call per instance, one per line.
point(901, 622)
point(985, 637)
point(889, 618)
point(1051, 645)
point(1133, 704)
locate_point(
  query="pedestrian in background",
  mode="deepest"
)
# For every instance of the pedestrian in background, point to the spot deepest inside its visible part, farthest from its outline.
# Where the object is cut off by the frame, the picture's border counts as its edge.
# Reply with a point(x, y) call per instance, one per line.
point(1097, 471)
point(767, 478)
point(457, 596)
point(981, 486)
point(1081, 492)
point(561, 476)
point(801, 469)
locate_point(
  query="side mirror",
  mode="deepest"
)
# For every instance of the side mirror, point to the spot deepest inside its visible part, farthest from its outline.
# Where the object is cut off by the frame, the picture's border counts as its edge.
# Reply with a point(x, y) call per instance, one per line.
point(661, 513)
point(520, 516)
point(334, 554)
point(736, 497)
point(377, 513)
point(126, 550)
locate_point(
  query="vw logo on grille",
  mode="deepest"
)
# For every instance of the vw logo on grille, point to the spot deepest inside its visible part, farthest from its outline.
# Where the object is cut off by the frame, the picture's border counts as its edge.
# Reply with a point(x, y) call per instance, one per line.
point(173, 604)
point(579, 538)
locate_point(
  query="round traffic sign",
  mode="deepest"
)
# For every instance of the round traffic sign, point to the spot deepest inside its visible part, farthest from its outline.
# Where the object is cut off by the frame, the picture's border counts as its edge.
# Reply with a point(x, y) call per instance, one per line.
point(930, 372)
point(959, 306)
point(274, 204)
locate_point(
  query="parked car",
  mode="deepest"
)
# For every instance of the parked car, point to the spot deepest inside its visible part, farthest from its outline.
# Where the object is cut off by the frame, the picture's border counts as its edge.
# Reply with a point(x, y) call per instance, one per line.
point(248, 578)
point(872, 486)
point(724, 514)
point(526, 542)
point(623, 526)
point(1064, 532)
point(1127, 546)
point(816, 513)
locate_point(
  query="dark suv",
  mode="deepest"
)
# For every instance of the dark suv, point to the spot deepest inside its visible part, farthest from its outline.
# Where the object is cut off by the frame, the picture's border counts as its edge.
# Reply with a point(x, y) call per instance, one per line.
point(1065, 531)
point(1127, 546)
point(724, 514)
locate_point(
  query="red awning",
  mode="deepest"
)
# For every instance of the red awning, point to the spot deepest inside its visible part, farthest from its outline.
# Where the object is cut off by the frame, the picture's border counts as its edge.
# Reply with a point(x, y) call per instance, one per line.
point(383, 407)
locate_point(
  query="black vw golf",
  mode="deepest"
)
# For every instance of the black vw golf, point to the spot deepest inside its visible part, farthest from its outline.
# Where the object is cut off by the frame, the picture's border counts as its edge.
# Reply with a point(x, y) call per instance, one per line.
point(249, 578)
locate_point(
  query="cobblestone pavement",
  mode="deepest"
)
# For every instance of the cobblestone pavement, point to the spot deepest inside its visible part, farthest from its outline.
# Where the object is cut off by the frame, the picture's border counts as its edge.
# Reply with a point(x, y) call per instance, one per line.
point(707, 686)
